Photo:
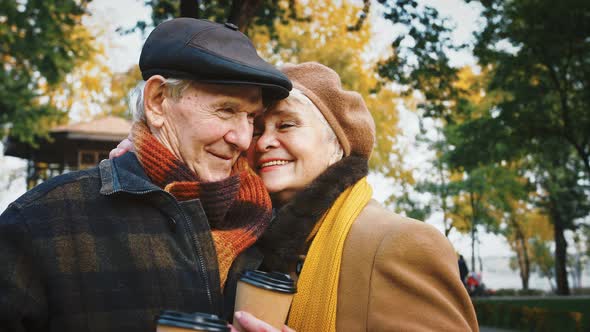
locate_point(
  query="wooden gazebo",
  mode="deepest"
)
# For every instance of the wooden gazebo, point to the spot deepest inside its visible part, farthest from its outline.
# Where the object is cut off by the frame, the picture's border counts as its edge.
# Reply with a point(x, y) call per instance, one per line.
point(71, 147)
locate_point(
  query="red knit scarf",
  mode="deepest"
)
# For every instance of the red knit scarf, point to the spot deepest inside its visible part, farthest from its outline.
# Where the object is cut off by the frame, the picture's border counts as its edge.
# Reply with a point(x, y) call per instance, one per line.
point(238, 208)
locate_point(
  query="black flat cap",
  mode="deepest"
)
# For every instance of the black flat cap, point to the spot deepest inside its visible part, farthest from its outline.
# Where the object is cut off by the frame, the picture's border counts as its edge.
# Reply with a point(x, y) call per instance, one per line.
point(209, 52)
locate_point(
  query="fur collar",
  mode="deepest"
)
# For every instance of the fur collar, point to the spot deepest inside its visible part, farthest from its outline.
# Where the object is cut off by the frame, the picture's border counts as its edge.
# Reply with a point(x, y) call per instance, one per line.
point(284, 240)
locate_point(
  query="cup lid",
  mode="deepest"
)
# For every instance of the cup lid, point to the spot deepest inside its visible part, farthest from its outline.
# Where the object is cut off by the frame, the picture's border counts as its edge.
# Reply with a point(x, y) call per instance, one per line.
point(275, 281)
point(194, 321)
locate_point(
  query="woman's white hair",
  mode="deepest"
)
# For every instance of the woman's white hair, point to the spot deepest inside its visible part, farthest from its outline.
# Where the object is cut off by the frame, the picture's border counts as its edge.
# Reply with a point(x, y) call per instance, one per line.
point(332, 139)
point(175, 87)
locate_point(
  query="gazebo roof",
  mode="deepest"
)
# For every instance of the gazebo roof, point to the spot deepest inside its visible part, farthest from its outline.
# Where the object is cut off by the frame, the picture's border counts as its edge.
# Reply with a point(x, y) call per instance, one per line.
point(101, 134)
point(109, 128)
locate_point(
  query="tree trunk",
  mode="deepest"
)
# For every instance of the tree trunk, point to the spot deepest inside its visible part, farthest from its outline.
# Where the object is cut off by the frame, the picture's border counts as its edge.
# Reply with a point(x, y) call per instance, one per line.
point(189, 8)
point(522, 255)
point(527, 266)
point(242, 12)
point(560, 258)
point(523, 262)
point(473, 222)
point(448, 224)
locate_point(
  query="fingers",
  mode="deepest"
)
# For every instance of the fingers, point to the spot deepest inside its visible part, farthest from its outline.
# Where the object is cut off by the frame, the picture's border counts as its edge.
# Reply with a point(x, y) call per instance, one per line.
point(250, 323)
point(116, 152)
point(124, 146)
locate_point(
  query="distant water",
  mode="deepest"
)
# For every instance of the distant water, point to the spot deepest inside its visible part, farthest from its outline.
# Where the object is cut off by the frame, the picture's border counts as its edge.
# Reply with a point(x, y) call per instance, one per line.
point(497, 274)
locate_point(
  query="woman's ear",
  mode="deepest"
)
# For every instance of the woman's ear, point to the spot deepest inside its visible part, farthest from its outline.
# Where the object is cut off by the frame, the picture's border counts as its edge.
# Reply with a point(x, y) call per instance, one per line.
point(153, 102)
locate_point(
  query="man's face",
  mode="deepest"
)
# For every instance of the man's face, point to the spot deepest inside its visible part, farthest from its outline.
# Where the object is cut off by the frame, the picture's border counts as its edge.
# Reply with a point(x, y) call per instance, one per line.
point(210, 126)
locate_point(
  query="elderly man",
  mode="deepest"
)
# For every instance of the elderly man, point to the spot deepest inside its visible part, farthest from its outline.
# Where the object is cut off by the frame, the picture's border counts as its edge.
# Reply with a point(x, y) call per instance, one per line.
point(166, 227)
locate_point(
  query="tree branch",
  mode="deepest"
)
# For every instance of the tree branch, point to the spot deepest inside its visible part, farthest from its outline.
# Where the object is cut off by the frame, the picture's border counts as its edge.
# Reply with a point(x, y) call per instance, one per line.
point(362, 16)
point(189, 8)
point(242, 12)
point(293, 13)
point(565, 114)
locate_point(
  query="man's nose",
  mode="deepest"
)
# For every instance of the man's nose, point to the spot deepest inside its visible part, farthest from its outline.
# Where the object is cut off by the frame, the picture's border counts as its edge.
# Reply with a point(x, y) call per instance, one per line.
point(240, 135)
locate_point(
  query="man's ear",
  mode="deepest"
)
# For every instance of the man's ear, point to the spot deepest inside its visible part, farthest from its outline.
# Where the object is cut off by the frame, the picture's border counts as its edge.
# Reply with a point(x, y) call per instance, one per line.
point(153, 101)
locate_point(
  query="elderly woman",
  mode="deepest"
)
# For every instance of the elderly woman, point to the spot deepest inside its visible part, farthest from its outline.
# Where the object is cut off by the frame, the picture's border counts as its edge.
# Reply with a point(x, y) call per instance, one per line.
point(359, 266)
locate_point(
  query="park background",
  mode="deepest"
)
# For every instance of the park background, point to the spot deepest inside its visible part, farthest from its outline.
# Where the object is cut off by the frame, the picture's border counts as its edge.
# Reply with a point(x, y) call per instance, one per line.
point(482, 107)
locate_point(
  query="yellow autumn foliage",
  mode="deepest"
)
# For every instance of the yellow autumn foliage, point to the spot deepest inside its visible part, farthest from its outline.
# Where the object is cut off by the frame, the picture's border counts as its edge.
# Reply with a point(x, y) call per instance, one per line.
point(84, 89)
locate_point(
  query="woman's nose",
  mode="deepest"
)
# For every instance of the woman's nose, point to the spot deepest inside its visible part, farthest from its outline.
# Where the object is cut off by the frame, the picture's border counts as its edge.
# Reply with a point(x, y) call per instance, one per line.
point(266, 141)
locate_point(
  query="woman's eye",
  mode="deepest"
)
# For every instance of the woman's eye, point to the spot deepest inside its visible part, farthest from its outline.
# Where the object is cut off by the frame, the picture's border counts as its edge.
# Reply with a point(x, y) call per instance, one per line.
point(286, 125)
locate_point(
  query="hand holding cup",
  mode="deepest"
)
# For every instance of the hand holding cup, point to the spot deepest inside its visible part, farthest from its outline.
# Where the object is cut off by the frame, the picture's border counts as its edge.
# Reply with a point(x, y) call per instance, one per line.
point(265, 295)
point(250, 323)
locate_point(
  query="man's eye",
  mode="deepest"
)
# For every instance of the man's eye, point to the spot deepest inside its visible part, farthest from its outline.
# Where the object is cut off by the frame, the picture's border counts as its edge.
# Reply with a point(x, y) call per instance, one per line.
point(228, 111)
point(251, 117)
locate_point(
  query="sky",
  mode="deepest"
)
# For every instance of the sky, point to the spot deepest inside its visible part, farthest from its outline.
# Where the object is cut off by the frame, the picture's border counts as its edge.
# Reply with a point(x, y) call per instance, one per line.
point(123, 52)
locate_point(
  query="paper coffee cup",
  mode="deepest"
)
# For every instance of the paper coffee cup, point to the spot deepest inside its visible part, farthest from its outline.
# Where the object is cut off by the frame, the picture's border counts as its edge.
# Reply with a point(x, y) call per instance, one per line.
point(265, 295)
point(175, 321)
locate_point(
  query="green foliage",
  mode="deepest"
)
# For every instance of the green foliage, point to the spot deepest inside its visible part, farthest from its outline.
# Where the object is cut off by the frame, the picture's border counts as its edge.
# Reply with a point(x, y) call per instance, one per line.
point(535, 314)
point(420, 59)
point(518, 292)
point(540, 55)
point(543, 260)
point(534, 109)
point(264, 12)
point(581, 291)
point(41, 41)
point(559, 174)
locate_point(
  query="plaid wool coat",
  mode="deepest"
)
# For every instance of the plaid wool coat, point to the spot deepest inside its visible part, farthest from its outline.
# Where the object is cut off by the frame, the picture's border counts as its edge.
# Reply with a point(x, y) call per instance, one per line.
point(106, 250)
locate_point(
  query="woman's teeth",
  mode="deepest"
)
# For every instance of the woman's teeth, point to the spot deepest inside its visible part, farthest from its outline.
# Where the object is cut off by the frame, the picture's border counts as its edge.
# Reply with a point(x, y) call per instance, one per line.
point(274, 162)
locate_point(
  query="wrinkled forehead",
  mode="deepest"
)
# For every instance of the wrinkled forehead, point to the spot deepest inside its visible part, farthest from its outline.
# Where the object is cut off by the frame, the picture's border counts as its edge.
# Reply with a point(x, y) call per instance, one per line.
point(246, 93)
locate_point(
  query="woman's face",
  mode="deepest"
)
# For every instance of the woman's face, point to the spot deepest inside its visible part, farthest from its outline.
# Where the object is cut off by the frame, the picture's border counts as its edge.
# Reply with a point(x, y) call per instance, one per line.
point(292, 145)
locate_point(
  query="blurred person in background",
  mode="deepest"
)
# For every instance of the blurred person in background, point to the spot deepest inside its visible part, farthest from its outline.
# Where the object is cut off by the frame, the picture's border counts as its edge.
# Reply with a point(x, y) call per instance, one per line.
point(463, 269)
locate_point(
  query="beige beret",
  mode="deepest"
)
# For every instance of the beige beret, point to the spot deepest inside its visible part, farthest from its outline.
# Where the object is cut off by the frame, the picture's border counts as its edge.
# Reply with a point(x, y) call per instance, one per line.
point(345, 111)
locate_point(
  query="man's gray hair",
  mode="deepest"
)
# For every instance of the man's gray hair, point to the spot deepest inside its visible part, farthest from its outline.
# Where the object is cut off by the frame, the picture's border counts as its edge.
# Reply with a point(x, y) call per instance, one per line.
point(175, 87)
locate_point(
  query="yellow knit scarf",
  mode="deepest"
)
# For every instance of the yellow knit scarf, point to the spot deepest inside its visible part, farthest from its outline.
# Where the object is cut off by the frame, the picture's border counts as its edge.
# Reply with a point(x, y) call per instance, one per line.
point(314, 305)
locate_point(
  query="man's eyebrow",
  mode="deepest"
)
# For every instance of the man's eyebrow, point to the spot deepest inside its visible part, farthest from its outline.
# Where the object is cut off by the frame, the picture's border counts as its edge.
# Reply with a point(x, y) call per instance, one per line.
point(235, 105)
point(226, 104)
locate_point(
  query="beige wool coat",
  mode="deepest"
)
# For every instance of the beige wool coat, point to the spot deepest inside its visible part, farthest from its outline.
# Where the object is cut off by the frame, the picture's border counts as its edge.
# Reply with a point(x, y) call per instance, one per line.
point(399, 274)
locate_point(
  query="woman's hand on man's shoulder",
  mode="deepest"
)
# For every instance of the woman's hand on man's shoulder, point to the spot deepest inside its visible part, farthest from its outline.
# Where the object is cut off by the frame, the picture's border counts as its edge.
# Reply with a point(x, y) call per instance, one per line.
point(124, 146)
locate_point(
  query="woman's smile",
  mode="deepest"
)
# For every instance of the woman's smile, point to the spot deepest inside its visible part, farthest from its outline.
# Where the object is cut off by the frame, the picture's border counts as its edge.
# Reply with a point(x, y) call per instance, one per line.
point(269, 165)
